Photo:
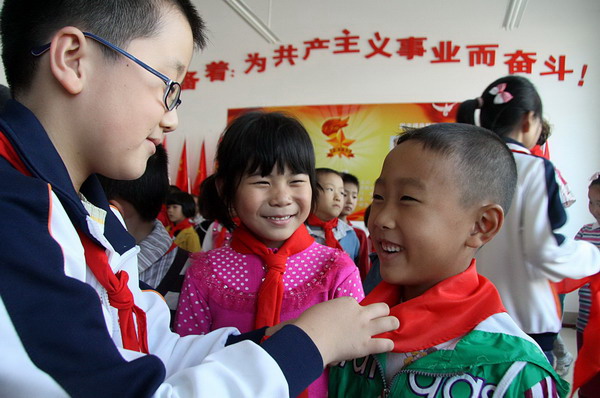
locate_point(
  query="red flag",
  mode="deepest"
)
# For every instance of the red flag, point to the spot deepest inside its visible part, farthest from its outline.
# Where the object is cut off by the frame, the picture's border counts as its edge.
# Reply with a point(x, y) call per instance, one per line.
point(183, 181)
point(201, 175)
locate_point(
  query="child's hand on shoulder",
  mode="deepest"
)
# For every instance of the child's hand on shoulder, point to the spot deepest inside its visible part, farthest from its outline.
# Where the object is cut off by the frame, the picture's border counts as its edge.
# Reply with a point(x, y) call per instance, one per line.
point(342, 329)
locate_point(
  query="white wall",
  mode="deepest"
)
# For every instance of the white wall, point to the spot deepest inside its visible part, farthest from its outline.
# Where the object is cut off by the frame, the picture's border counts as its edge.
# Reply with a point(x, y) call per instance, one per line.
point(548, 27)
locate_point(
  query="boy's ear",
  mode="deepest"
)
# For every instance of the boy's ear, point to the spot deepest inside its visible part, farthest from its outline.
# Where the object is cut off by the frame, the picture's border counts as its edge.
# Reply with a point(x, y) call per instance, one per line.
point(67, 50)
point(489, 221)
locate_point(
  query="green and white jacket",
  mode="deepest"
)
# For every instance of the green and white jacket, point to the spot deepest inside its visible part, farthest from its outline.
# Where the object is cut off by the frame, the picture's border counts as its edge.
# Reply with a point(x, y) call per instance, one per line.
point(495, 359)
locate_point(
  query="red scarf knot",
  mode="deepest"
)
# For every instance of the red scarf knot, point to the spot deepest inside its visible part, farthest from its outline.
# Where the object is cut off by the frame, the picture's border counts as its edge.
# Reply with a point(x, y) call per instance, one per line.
point(119, 295)
point(270, 293)
point(275, 262)
point(327, 227)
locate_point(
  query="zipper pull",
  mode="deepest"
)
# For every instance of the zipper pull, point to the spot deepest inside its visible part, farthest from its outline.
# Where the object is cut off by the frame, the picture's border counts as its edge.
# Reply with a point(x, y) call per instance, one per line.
point(386, 392)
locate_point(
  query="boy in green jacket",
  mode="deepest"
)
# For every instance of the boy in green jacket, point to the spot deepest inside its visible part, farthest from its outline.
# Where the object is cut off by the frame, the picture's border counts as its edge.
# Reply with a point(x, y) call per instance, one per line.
point(441, 195)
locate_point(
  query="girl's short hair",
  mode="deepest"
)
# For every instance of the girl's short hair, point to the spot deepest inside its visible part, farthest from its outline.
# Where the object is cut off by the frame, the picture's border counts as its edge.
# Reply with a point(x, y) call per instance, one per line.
point(503, 104)
point(255, 142)
point(185, 200)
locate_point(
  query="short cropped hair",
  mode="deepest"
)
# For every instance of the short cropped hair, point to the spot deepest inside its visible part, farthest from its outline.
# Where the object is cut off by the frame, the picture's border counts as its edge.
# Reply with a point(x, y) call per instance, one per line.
point(484, 166)
point(26, 24)
point(350, 179)
point(185, 200)
point(146, 194)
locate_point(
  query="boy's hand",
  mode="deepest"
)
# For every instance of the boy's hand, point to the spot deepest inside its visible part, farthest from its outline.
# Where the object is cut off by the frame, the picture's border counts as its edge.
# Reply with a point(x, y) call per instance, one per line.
point(342, 329)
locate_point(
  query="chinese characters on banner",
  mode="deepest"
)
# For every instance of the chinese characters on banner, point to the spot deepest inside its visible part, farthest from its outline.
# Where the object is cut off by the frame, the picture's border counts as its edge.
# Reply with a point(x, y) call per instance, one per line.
point(409, 49)
point(356, 138)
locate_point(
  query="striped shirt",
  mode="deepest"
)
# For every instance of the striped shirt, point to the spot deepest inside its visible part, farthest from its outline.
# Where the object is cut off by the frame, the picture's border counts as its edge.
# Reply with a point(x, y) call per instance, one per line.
point(590, 233)
point(154, 258)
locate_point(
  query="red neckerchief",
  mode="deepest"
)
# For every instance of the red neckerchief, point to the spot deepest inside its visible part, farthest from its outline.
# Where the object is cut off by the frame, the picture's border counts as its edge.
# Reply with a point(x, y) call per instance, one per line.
point(448, 310)
point(587, 364)
point(270, 293)
point(220, 239)
point(181, 225)
point(119, 295)
point(175, 228)
point(224, 234)
point(328, 227)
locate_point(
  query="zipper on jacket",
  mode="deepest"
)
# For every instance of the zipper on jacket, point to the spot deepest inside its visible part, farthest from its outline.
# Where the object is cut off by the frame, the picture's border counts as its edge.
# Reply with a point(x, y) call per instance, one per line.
point(387, 389)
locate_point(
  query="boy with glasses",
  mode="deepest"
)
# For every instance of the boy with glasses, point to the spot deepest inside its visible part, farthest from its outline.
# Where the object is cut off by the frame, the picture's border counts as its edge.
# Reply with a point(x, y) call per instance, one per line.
point(73, 321)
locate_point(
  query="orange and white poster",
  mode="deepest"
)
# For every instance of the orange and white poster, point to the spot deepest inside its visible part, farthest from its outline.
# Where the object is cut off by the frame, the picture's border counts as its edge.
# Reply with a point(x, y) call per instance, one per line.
point(356, 138)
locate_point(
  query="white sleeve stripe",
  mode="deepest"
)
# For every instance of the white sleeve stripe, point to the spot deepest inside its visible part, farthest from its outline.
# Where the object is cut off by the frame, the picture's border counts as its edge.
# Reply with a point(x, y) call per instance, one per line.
point(508, 378)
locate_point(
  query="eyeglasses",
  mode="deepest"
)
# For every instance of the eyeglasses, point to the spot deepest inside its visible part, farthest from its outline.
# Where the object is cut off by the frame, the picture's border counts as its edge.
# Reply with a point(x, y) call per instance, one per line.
point(172, 91)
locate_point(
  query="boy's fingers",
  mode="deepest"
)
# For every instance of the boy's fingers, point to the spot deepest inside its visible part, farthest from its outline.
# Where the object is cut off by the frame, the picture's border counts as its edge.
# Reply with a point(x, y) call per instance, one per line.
point(384, 324)
point(377, 346)
point(374, 346)
point(377, 310)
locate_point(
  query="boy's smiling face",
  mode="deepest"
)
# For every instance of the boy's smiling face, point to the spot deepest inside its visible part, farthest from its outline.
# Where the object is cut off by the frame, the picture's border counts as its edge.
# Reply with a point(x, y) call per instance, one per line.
point(417, 223)
point(131, 118)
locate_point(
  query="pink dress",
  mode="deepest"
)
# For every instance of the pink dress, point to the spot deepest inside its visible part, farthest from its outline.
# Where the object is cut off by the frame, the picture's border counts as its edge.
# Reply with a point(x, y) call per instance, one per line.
point(221, 285)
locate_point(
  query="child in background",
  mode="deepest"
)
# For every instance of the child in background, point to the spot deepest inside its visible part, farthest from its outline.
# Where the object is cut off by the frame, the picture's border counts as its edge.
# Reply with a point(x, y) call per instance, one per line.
point(589, 233)
point(161, 264)
point(467, 114)
point(529, 251)
point(180, 208)
point(323, 224)
point(216, 234)
point(273, 269)
point(81, 106)
point(455, 338)
point(351, 188)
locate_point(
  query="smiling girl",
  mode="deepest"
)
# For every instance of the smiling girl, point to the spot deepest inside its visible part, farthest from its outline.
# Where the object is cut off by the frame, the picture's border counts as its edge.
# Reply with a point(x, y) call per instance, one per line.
point(273, 270)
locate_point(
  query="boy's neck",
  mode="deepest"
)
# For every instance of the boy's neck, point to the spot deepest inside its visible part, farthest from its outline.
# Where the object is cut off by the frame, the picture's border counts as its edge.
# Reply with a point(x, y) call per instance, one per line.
point(410, 292)
point(137, 227)
point(142, 230)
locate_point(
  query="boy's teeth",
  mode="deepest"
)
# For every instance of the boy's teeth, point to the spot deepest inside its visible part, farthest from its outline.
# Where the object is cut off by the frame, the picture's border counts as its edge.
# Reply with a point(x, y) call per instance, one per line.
point(388, 247)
